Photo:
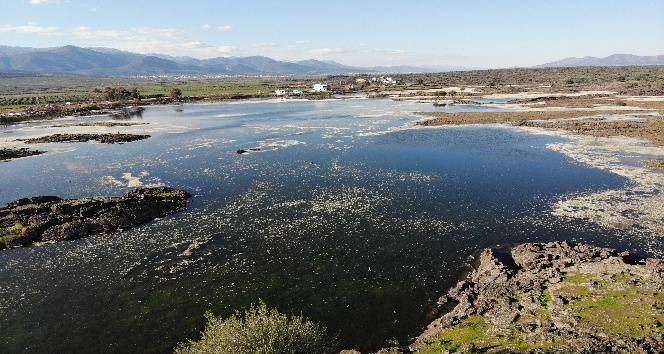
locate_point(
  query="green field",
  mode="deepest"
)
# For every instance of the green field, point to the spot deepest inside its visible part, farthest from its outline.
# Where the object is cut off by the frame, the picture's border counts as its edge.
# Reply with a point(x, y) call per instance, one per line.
point(21, 92)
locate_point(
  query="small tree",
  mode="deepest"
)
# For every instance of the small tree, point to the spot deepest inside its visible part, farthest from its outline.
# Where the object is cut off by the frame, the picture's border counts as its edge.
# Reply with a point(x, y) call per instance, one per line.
point(123, 93)
point(176, 93)
point(134, 93)
point(259, 331)
point(109, 93)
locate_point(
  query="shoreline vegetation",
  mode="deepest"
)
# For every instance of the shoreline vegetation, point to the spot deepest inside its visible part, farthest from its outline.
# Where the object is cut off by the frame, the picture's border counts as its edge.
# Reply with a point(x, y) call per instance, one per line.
point(555, 297)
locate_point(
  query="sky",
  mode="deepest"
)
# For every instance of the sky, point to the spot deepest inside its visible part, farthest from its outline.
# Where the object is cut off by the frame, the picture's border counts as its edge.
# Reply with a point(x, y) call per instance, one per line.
point(466, 33)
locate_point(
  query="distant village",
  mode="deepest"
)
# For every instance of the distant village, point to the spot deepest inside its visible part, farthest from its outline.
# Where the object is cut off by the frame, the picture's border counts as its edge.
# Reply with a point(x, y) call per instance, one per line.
point(358, 83)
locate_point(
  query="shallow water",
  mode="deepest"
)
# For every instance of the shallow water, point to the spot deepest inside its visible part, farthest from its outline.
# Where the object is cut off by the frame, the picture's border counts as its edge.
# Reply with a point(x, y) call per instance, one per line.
point(348, 215)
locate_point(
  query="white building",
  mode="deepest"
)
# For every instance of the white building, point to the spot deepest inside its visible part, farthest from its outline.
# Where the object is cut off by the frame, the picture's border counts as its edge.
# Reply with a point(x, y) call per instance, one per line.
point(389, 81)
point(280, 92)
point(321, 87)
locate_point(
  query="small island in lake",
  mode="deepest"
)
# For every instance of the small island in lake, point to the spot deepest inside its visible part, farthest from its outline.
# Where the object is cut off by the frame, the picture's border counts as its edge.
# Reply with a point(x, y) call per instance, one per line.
point(47, 218)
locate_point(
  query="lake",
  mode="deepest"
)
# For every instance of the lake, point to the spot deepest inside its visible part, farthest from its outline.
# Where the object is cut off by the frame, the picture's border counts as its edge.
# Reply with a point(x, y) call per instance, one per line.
point(349, 215)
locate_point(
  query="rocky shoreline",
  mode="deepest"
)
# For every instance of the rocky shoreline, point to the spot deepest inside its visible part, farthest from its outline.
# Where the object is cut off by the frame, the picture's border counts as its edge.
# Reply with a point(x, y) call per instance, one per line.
point(555, 297)
point(42, 219)
point(109, 138)
point(10, 154)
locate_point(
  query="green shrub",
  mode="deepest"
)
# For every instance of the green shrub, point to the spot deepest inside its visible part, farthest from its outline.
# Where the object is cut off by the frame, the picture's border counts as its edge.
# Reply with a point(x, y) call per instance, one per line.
point(259, 330)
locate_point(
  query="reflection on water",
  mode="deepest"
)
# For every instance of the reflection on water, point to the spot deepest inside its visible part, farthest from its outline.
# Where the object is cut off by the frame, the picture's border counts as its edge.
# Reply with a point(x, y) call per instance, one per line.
point(343, 216)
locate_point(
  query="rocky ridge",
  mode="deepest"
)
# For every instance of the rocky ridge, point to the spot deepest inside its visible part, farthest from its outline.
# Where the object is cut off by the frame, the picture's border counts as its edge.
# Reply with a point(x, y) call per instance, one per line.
point(40, 219)
point(556, 297)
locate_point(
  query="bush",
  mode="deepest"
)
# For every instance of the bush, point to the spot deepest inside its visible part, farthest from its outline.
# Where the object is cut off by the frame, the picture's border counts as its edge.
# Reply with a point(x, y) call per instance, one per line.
point(176, 93)
point(259, 330)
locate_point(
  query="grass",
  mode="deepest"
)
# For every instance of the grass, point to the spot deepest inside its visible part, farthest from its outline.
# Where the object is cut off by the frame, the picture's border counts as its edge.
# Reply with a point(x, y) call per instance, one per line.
point(474, 335)
point(442, 118)
point(577, 278)
point(15, 93)
point(619, 306)
point(12, 106)
point(646, 104)
point(471, 331)
point(9, 233)
point(657, 164)
point(649, 129)
point(166, 195)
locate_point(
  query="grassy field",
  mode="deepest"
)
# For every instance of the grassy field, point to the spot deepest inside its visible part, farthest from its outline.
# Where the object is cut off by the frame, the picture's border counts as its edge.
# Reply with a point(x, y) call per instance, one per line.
point(23, 92)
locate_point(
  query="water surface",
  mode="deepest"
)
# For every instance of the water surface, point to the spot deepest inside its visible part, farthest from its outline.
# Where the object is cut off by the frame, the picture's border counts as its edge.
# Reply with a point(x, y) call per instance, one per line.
point(348, 216)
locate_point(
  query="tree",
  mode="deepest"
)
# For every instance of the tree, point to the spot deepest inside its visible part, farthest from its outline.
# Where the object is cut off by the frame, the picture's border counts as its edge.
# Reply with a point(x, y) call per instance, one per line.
point(259, 331)
point(123, 93)
point(116, 93)
point(109, 93)
point(134, 93)
point(176, 93)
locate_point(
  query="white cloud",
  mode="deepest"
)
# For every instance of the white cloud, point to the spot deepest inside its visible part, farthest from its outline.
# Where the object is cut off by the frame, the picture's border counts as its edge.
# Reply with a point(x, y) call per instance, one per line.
point(191, 48)
point(31, 29)
point(144, 40)
point(265, 45)
point(302, 42)
point(158, 32)
point(218, 28)
point(88, 33)
point(136, 33)
point(327, 51)
point(41, 2)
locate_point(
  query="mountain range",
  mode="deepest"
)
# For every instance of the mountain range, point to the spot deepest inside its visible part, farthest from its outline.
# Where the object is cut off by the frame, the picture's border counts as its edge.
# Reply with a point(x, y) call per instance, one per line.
point(113, 62)
point(611, 60)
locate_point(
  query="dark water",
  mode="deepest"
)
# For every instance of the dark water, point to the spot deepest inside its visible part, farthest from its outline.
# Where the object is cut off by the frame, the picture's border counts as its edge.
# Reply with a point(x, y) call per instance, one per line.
point(344, 217)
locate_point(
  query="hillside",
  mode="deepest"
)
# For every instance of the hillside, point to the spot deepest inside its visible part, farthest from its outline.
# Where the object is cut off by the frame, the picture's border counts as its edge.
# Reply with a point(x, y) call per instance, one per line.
point(611, 60)
point(112, 62)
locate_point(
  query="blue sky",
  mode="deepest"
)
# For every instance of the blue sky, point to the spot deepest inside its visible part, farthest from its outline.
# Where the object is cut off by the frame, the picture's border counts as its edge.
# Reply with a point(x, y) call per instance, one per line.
point(480, 33)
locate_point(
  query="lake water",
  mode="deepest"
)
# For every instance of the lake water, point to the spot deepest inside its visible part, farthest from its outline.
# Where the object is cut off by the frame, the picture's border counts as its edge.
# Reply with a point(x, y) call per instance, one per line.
point(348, 215)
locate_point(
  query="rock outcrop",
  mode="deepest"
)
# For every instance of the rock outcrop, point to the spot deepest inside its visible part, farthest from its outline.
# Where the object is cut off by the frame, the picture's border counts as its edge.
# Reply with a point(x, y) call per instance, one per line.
point(39, 219)
point(556, 297)
point(9, 154)
point(102, 138)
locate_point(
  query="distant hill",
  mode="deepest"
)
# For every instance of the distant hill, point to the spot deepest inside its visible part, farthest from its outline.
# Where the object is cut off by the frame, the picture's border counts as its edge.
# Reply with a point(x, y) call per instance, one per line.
point(112, 62)
point(611, 60)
